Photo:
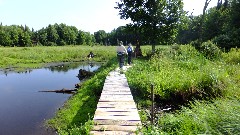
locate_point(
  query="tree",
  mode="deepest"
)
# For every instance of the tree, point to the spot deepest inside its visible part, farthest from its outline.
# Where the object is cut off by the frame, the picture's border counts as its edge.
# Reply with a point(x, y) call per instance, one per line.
point(101, 37)
point(52, 35)
point(81, 38)
point(202, 19)
point(157, 20)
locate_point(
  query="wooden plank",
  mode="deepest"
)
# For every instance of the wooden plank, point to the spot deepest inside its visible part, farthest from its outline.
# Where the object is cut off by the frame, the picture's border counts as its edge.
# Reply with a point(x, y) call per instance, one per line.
point(136, 117)
point(115, 100)
point(117, 122)
point(112, 133)
point(116, 113)
point(114, 128)
point(116, 103)
point(116, 106)
point(115, 109)
point(116, 97)
point(116, 92)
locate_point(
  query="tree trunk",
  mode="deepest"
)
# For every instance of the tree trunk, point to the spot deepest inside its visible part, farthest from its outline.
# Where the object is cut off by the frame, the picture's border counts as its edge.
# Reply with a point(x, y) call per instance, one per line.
point(202, 20)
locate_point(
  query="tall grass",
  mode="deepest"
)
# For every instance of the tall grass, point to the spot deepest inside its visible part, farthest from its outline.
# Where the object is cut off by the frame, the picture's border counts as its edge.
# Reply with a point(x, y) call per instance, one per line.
point(182, 73)
point(210, 87)
point(37, 56)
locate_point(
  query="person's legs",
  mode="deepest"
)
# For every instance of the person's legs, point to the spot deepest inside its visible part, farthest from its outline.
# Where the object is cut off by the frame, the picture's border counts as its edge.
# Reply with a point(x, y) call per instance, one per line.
point(121, 61)
point(129, 58)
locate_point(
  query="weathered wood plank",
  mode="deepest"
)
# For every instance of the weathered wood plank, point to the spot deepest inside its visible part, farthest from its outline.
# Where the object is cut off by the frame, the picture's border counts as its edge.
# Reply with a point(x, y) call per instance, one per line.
point(116, 103)
point(114, 128)
point(116, 117)
point(117, 122)
point(116, 106)
point(109, 109)
point(116, 113)
point(112, 133)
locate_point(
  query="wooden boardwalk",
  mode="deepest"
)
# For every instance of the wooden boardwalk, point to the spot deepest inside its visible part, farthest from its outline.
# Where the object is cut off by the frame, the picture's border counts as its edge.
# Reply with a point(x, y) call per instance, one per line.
point(116, 112)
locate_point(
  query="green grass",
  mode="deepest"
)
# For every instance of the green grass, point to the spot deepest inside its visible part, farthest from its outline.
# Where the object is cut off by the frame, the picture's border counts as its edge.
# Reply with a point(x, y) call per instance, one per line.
point(30, 57)
point(209, 89)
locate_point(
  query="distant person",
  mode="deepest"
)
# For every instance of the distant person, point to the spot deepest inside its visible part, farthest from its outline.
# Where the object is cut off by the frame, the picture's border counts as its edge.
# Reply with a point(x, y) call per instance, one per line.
point(90, 55)
point(121, 50)
point(130, 51)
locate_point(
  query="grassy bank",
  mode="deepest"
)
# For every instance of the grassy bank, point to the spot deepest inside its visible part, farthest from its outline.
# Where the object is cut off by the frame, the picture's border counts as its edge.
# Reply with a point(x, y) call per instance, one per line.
point(32, 57)
point(76, 114)
point(205, 91)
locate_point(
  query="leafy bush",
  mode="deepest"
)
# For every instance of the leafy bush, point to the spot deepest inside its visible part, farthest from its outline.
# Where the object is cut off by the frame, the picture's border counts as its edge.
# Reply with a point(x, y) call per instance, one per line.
point(210, 50)
point(196, 44)
point(223, 41)
point(51, 44)
point(233, 56)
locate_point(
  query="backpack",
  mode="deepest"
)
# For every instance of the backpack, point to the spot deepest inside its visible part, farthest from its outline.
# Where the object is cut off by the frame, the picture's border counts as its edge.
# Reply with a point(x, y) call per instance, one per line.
point(129, 49)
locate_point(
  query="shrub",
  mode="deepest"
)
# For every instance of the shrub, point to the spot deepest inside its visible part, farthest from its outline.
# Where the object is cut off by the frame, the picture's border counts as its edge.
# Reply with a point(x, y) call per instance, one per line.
point(51, 44)
point(223, 41)
point(196, 44)
point(210, 50)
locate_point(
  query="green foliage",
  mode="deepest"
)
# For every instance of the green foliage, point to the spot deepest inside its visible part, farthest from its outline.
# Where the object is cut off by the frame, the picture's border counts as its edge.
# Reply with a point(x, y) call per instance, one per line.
point(223, 41)
point(221, 24)
point(233, 56)
point(210, 50)
point(183, 73)
point(157, 20)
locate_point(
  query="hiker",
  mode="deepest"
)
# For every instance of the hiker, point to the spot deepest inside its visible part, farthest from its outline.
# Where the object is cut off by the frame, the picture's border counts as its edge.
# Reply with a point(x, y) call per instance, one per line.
point(121, 50)
point(90, 55)
point(130, 51)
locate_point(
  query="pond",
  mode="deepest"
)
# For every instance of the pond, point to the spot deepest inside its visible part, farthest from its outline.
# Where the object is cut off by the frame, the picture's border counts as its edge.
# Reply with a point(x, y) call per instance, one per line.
point(23, 109)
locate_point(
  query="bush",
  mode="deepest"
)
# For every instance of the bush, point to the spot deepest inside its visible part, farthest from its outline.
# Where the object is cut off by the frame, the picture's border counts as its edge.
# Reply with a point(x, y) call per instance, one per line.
point(51, 44)
point(62, 43)
point(196, 44)
point(210, 50)
point(223, 41)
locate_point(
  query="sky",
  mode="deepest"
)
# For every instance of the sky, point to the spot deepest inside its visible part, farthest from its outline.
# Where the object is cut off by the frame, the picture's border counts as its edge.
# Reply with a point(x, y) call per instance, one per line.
point(86, 15)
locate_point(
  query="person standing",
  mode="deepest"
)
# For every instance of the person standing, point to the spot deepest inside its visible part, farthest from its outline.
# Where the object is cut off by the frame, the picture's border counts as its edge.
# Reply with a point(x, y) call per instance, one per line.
point(121, 50)
point(130, 51)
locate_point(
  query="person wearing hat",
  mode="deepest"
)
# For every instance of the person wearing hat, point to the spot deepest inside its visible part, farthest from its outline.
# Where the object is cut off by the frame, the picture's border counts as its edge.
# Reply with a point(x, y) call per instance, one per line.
point(130, 51)
point(121, 50)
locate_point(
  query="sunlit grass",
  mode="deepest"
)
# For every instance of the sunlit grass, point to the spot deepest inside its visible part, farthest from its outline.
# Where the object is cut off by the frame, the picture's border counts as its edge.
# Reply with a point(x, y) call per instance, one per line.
point(37, 56)
point(210, 90)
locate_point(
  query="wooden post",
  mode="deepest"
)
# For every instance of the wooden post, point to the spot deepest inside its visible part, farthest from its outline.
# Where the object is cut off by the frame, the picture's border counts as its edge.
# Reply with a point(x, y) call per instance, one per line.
point(152, 109)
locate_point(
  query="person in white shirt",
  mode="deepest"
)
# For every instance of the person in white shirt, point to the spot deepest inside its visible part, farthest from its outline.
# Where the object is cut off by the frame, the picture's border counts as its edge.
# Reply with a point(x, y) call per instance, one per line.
point(121, 50)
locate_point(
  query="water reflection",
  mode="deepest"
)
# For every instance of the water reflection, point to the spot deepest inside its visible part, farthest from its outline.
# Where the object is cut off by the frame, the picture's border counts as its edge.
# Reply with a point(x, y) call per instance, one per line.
point(22, 108)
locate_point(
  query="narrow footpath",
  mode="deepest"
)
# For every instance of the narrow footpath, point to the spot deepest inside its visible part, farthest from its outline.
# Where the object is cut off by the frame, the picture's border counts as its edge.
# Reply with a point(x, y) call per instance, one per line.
point(116, 112)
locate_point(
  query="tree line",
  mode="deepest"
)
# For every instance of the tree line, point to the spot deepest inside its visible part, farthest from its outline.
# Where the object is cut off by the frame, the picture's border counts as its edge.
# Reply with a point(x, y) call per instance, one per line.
point(221, 25)
point(58, 35)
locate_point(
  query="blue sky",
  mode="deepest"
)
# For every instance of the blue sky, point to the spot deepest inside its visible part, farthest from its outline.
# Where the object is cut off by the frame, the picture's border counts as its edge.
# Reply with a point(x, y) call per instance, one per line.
point(87, 15)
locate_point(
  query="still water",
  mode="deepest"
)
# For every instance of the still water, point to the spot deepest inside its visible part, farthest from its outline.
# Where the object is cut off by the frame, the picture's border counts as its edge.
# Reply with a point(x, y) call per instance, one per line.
point(23, 109)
